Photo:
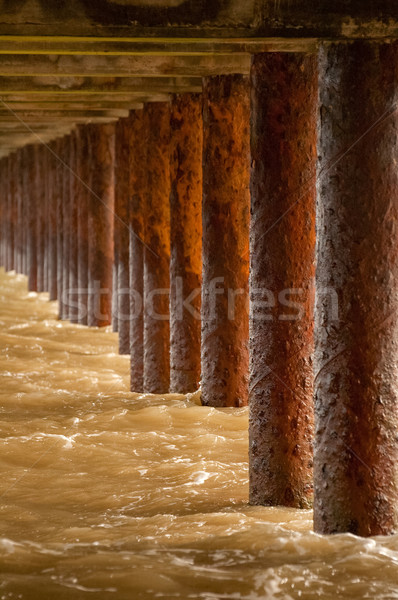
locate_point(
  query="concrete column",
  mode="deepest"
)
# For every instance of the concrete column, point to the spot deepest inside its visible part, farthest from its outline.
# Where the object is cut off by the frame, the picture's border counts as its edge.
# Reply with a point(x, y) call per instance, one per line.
point(139, 125)
point(100, 224)
point(226, 204)
point(121, 306)
point(185, 242)
point(53, 193)
point(356, 326)
point(73, 243)
point(282, 239)
point(31, 167)
point(157, 251)
point(83, 172)
point(60, 170)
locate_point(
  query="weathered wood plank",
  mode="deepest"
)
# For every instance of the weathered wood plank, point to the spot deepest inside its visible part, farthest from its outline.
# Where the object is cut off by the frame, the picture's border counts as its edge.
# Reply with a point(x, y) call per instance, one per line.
point(204, 19)
point(150, 46)
point(37, 115)
point(97, 85)
point(122, 66)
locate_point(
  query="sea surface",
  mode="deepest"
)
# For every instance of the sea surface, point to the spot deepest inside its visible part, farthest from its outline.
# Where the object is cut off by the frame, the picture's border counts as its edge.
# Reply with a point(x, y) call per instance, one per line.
point(107, 494)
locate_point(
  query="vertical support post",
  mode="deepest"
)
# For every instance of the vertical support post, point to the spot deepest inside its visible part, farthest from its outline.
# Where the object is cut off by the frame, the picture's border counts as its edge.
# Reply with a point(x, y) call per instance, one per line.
point(66, 222)
point(121, 306)
point(60, 170)
point(100, 224)
point(356, 354)
point(226, 204)
point(137, 193)
point(73, 243)
point(19, 214)
point(3, 205)
point(40, 216)
point(157, 251)
point(83, 172)
point(25, 208)
point(284, 91)
point(11, 210)
point(45, 216)
point(53, 192)
point(185, 242)
point(32, 218)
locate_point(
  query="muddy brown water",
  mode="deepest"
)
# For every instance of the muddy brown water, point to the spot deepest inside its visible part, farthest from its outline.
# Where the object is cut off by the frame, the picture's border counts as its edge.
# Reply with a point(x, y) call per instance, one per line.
point(107, 494)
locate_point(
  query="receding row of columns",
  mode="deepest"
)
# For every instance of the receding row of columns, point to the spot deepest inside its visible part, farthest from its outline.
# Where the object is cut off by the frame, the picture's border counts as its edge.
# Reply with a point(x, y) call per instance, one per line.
point(162, 213)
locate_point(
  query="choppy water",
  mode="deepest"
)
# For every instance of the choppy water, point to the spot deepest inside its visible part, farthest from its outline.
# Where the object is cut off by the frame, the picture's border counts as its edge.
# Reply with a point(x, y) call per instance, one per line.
point(106, 494)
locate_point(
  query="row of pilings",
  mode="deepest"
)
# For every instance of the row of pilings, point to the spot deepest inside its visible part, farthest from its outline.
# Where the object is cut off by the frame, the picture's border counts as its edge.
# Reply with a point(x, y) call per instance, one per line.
point(151, 223)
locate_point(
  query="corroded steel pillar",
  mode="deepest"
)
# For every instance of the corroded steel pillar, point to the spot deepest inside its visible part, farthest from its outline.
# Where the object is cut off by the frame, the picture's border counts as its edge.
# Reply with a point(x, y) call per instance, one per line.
point(3, 212)
point(40, 215)
point(157, 251)
point(18, 249)
point(11, 210)
point(115, 270)
point(283, 188)
point(185, 242)
point(100, 224)
point(137, 193)
point(83, 173)
point(73, 242)
point(25, 207)
point(60, 176)
point(121, 304)
point(226, 205)
point(356, 354)
point(66, 225)
point(53, 193)
point(46, 208)
point(31, 167)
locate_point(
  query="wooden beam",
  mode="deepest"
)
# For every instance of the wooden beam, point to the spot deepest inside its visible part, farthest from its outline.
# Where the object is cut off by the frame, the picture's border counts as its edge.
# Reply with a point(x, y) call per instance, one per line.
point(11, 44)
point(39, 114)
point(94, 105)
point(138, 18)
point(17, 127)
point(97, 85)
point(53, 98)
point(34, 65)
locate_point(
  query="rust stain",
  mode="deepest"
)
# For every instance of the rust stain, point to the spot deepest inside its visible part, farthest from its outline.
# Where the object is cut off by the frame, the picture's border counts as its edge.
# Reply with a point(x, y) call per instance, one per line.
point(284, 121)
